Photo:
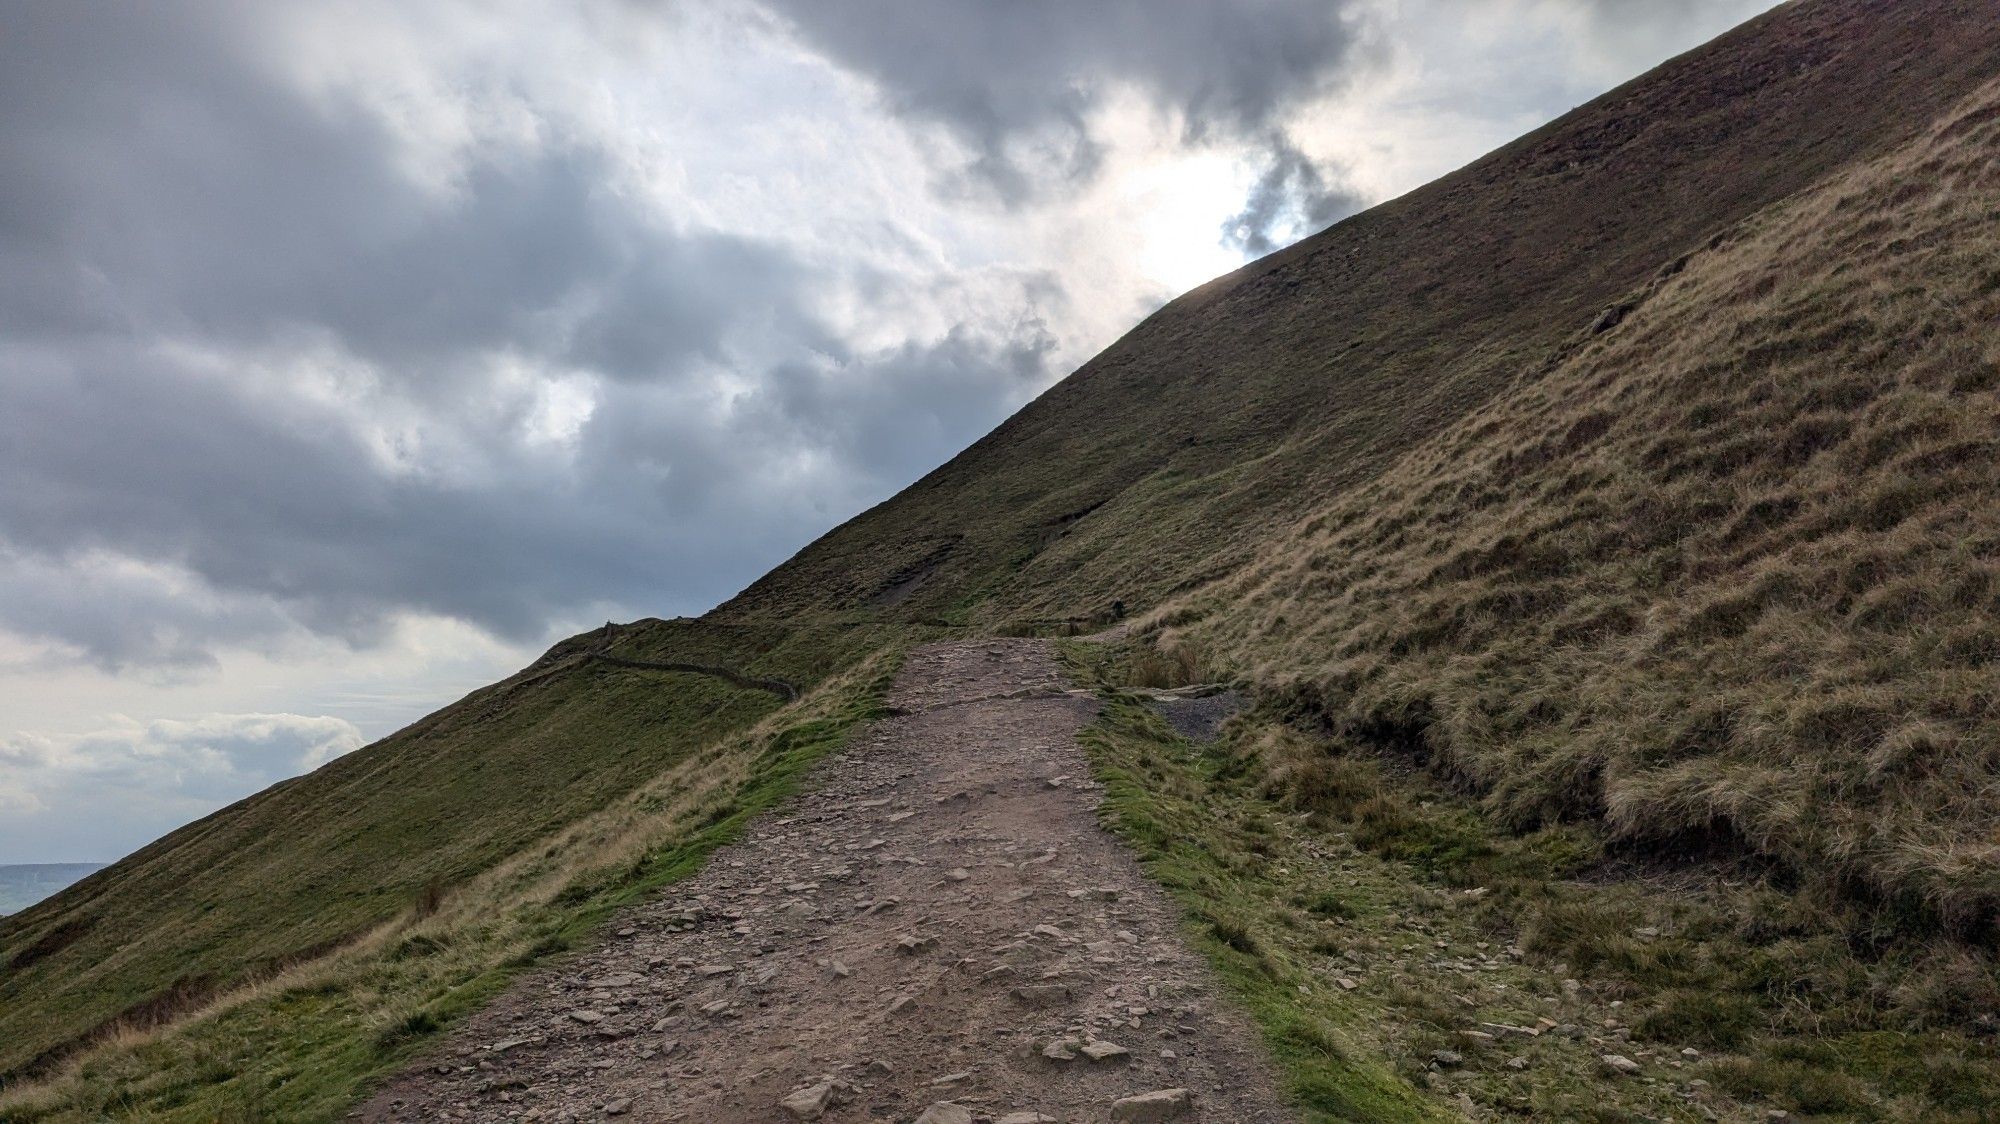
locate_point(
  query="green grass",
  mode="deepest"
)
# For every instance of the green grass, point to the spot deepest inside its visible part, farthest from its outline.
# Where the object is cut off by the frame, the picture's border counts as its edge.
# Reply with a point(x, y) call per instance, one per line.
point(1200, 858)
point(321, 860)
point(1302, 860)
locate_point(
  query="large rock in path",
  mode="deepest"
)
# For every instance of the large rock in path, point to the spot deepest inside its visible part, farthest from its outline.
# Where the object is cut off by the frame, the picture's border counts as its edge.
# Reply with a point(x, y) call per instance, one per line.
point(1150, 1108)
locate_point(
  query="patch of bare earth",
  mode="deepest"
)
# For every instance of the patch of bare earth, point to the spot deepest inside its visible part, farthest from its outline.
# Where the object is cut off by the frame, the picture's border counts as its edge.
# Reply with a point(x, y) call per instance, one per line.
point(939, 930)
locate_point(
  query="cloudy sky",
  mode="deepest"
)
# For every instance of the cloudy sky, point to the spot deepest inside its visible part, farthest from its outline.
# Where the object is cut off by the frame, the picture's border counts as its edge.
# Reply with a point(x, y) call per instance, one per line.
point(349, 354)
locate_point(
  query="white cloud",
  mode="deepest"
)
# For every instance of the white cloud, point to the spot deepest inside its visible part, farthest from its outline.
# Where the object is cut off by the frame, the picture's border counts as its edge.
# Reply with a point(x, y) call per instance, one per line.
point(94, 796)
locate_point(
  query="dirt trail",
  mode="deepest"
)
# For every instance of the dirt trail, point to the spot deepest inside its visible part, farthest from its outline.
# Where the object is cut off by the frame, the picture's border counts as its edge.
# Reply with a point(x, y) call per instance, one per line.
point(939, 919)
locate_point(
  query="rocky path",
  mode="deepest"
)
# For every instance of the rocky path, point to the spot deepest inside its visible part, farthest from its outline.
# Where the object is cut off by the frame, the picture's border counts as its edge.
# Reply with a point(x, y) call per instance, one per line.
point(939, 931)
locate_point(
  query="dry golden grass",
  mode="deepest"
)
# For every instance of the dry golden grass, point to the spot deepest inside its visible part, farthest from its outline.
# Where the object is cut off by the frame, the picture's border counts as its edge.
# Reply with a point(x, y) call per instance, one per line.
point(1183, 665)
point(1728, 570)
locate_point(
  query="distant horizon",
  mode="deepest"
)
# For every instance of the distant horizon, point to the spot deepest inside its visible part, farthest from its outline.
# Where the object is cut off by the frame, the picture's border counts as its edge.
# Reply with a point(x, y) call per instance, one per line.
point(79, 862)
point(18, 893)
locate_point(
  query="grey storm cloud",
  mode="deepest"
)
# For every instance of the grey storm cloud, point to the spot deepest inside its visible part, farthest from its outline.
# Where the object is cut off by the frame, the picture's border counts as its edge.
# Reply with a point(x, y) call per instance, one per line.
point(161, 181)
point(1016, 82)
point(258, 378)
point(182, 234)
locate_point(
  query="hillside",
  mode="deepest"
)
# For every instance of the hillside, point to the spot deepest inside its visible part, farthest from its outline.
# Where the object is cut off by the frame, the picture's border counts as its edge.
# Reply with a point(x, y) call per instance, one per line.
point(1648, 445)
point(1241, 406)
point(1639, 476)
point(496, 787)
point(1728, 574)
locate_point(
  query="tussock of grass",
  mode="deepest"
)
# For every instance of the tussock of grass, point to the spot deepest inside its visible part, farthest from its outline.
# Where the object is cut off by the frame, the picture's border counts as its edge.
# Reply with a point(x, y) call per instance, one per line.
point(1183, 665)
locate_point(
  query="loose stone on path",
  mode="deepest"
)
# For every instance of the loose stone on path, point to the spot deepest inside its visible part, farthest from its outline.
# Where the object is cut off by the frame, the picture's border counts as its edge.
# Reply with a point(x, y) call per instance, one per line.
point(931, 931)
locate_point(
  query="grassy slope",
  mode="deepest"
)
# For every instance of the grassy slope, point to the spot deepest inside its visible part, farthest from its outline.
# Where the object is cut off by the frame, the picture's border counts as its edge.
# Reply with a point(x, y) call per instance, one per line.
point(1370, 920)
point(243, 891)
point(1730, 570)
point(1642, 469)
point(1240, 406)
point(303, 1044)
point(378, 836)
